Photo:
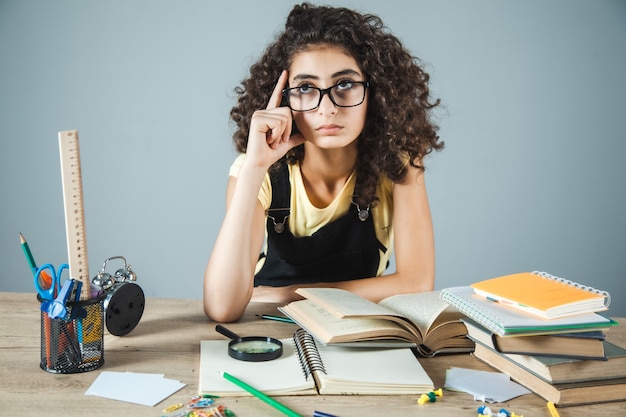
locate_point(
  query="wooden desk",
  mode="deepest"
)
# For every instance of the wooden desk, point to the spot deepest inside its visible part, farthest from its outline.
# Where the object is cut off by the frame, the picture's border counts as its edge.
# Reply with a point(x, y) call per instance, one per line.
point(167, 341)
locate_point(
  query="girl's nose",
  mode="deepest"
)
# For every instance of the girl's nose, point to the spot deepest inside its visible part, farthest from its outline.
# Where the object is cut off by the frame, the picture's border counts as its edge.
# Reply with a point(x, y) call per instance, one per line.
point(327, 106)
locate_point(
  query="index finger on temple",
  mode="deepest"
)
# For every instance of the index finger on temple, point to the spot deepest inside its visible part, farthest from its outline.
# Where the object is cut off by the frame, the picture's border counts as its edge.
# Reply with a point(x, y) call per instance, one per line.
point(277, 94)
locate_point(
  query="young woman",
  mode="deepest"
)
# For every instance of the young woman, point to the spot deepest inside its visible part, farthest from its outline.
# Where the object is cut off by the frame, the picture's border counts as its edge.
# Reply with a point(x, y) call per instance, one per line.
point(333, 126)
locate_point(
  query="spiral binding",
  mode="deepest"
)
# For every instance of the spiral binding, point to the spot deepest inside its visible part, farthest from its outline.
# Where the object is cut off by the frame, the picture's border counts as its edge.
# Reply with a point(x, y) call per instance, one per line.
point(309, 356)
point(472, 310)
point(607, 299)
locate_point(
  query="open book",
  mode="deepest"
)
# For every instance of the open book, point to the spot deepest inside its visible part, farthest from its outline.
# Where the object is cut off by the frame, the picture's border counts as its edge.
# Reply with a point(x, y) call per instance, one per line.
point(307, 367)
point(422, 320)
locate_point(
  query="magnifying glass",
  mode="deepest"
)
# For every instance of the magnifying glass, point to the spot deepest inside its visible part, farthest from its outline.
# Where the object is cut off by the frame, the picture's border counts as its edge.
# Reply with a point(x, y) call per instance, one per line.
point(251, 348)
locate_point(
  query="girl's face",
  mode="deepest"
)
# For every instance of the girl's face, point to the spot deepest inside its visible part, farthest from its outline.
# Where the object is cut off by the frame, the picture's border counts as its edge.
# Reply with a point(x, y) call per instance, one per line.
point(323, 66)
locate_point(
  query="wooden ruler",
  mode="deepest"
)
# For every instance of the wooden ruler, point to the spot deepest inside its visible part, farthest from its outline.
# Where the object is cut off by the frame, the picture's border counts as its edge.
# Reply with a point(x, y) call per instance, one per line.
point(74, 210)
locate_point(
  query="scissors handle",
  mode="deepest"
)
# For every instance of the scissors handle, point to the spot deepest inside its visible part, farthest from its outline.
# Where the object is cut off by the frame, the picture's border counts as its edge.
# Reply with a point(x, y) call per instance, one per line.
point(48, 281)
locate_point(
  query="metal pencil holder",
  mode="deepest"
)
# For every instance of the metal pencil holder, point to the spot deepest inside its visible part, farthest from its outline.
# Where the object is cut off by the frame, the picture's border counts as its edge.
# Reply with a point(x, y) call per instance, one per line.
point(76, 343)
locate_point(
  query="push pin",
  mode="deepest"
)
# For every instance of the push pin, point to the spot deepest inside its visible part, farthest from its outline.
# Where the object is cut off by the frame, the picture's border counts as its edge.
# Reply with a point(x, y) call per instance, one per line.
point(504, 413)
point(430, 397)
point(483, 411)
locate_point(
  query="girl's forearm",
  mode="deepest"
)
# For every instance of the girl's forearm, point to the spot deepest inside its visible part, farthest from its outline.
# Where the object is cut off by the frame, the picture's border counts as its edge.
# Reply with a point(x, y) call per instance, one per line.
point(228, 279)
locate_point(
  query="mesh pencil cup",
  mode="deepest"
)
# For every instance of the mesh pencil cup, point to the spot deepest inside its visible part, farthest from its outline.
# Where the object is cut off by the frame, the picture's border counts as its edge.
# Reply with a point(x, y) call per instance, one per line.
point(75, 343)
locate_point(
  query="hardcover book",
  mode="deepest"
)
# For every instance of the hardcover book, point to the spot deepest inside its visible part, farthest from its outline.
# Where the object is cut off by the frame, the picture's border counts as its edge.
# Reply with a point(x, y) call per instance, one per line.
point(579, 345)
point(562, 394)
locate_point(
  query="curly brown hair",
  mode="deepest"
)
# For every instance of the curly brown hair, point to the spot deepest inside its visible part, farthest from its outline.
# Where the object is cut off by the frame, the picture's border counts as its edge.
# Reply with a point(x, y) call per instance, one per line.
point(398, 127)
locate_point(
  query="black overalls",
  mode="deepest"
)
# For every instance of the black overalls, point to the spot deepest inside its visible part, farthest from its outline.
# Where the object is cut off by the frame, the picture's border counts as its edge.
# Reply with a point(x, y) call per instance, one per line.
point(342, 250)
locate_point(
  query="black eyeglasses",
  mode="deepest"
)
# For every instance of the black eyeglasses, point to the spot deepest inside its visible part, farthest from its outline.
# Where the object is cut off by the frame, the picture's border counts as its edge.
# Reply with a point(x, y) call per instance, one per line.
point(343, 94)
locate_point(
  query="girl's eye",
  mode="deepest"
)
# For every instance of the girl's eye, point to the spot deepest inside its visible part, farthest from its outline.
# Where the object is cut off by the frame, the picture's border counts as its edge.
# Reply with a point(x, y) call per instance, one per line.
point(305, 89)
point(345, 85)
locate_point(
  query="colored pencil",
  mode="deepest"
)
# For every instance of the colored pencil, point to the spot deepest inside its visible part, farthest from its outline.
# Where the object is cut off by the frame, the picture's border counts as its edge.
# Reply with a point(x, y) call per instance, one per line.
point(46, 279)
point(275, 318)
point(269, 400)
point(47, 282)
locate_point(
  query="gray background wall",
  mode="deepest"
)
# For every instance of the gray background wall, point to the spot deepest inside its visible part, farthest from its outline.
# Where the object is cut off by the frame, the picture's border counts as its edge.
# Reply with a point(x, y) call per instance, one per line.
point(534, 121)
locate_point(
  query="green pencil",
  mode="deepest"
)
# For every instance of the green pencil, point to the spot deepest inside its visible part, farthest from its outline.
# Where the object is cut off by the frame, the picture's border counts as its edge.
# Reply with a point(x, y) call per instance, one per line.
point(275, 318)
point(29, 255)
point(45, 280)
point(283, 409)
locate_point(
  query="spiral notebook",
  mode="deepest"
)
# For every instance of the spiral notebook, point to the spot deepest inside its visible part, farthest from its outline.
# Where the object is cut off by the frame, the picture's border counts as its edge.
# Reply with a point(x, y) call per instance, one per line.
point(505, 321)
point(307, 367)
point(543, 295)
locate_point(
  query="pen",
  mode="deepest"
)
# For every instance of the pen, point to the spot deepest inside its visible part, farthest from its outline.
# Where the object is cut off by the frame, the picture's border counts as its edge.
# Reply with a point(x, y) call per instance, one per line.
point(275, 318)
point(79, 320)
point(552, 409)
point(321, 414)
point(283, 409)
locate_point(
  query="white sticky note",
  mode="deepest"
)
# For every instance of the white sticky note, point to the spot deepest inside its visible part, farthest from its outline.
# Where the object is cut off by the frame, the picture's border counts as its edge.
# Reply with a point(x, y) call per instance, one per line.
point(138, 388)
point(492, 387)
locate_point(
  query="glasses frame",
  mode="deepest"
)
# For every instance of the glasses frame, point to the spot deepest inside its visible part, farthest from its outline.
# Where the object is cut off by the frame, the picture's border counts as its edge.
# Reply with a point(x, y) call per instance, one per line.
point(326, 91)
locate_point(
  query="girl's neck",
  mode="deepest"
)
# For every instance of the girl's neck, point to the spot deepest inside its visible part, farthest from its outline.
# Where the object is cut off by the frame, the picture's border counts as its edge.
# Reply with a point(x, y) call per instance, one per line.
point(325, 172)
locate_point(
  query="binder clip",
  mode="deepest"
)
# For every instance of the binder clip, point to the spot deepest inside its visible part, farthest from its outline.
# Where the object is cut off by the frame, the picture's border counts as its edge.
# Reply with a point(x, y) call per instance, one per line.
point(125, 300)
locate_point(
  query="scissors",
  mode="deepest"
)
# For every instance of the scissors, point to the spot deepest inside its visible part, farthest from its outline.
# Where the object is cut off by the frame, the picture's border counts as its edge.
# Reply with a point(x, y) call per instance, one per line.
point(48, 286)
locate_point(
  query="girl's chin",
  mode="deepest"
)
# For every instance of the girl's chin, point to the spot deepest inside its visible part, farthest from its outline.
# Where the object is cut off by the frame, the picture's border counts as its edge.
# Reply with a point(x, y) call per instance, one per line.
point(330, 142)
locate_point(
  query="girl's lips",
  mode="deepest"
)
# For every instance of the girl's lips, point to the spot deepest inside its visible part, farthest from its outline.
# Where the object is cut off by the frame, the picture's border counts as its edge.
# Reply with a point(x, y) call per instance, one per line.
point(329, 129)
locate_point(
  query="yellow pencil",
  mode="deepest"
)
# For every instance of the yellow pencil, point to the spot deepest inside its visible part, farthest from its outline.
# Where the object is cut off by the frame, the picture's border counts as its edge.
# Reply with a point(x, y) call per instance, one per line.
point(552, 409)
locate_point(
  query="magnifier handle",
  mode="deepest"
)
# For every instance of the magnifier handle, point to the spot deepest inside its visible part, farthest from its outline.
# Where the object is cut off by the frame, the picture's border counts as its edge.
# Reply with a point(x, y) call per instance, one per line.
point(223, 330)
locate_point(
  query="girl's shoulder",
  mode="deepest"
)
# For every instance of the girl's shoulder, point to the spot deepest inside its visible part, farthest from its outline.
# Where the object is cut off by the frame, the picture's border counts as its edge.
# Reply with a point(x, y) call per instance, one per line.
point(235, 167)
point(265, 192)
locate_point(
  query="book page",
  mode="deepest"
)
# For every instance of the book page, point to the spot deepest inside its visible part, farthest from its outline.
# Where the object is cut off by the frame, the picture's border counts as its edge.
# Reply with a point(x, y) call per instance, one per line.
point(282, 376)
point(329, 329)
point(342, 303)
point(372, 371)
point(421, 308)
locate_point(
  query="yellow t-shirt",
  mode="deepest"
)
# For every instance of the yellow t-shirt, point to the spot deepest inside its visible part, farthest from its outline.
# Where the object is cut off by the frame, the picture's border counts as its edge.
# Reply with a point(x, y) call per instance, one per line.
point(306, 219)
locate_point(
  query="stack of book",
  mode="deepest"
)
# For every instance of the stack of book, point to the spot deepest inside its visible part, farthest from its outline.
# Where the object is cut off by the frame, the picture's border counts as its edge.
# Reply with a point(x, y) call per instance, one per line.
point(546, 333)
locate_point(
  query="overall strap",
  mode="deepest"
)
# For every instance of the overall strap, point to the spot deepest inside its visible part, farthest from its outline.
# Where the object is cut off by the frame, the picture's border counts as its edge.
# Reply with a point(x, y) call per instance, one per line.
point(280, 207)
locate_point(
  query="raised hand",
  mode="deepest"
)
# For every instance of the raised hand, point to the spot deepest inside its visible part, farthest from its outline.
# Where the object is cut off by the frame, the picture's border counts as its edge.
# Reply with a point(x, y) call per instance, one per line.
point(270, 129)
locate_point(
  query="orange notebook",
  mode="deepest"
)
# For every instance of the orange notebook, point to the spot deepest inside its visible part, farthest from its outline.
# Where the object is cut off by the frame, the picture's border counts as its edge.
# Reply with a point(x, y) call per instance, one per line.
point(543, 295)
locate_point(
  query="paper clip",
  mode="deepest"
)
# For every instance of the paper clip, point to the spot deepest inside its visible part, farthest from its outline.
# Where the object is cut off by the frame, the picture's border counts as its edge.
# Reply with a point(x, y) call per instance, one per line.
point(201, 403)
point(182, 413)
point(172, 407)
point(212, 412)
